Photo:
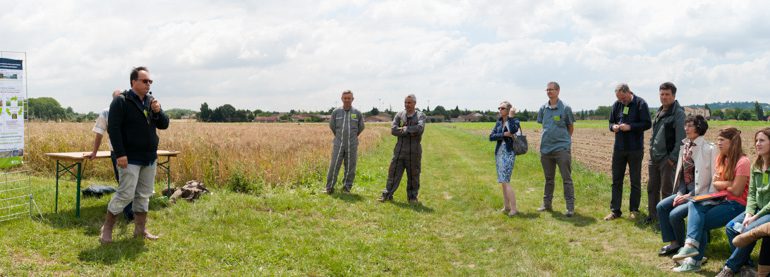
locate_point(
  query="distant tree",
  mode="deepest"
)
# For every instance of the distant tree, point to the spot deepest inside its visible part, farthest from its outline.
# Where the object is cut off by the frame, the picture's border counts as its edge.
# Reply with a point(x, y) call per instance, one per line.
point(745, 115)
point(523, 115)
point(603, 111)
point(45, 108)
point(205, 114)
point(718, 113)
point(440, 110)
point(374, 111)
point(224, 113)
point(454, 113)
point(758, 110)
point(706, 107)
point(732, 113)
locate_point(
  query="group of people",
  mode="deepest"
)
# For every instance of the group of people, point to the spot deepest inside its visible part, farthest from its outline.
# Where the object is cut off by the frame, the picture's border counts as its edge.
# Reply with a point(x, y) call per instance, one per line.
point(347, 123)
point(712, 185)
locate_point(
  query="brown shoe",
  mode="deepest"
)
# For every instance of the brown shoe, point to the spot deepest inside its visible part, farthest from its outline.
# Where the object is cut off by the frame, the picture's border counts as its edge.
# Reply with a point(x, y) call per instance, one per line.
point(752, 235)
point(611, 216)
point(633, 215)
point(105, 236)
point(140, 227)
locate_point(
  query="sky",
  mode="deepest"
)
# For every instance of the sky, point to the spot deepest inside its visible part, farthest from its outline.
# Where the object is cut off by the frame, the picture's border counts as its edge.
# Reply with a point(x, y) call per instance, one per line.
point(301, 54)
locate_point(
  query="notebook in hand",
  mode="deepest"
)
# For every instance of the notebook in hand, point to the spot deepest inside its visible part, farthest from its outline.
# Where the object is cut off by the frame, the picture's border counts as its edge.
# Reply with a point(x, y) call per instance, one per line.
point(710, 196)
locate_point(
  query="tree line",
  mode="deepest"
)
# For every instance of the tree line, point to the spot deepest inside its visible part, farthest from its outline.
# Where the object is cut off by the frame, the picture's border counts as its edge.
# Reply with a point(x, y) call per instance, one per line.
point(49, 109)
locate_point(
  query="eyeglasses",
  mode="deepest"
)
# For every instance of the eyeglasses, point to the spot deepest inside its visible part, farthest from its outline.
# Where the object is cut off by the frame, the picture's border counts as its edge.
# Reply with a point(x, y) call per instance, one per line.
point(502, 108)
point(551, 89)
point(145, 81)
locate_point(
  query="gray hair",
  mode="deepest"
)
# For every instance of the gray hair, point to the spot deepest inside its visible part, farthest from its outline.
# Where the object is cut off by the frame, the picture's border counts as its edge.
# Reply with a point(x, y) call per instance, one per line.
point(116, 93)
point(506, 104)
point(347, 91)
point(555, 85)
point(622, 87)
point(413, 97)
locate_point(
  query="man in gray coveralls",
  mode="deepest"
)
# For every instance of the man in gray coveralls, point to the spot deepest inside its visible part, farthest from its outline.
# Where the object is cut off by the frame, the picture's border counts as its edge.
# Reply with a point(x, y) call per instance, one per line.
point(346, 124)
point(408, 125)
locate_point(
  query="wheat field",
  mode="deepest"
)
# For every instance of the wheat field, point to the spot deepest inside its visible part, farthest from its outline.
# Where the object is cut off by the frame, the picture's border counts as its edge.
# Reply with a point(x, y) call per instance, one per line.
point(269, 154)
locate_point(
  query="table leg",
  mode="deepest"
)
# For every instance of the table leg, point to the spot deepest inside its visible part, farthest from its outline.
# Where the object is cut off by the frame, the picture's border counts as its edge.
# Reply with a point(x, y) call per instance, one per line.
point(166, 166)
point(77, 198)
point(56, 202)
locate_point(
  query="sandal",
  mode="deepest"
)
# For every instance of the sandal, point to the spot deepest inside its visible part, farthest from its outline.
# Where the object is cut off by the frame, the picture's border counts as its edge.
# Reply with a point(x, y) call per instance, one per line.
point(611, 216)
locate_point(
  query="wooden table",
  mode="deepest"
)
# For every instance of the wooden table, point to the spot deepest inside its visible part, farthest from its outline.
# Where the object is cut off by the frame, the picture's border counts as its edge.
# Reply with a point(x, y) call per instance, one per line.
point(66, 161)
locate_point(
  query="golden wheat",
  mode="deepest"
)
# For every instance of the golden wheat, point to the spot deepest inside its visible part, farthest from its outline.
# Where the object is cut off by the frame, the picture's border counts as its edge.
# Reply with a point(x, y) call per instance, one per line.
point(275, 154)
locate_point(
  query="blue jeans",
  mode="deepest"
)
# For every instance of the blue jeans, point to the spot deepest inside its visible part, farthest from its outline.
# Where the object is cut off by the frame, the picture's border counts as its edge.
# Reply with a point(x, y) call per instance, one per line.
point(740, 256)
point(703, 218)
point(671, 219)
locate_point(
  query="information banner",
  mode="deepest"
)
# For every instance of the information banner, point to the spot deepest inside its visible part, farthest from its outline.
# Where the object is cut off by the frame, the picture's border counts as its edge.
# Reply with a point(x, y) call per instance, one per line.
point(12, 93)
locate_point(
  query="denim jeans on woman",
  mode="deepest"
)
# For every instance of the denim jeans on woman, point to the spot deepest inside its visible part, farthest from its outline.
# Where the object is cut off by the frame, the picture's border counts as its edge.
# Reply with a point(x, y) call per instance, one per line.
point(703, 217)
point(671, 219)
point(740, 256)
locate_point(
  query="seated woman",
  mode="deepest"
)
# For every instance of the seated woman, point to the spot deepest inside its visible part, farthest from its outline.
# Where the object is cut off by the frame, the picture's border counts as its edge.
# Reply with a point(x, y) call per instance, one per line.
point(503, 133)
point(731, 177)
point(694, 169)
point(757, 207)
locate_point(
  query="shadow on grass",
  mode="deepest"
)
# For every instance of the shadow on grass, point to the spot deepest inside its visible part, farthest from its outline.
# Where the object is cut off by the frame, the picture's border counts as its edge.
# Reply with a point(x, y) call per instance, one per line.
point(420, 208)
point(348, 197)
point(577, 219)
point(115, 252)
point(523, 215)
point(92, 217)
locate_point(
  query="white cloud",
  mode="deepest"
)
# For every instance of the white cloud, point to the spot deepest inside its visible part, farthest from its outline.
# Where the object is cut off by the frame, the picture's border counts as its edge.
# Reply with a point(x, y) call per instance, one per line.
point(281, 55)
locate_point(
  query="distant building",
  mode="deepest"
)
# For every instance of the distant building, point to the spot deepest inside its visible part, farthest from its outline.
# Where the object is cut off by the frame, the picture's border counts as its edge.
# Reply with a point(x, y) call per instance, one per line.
point(436, 118)
point(266, 119)
point(379, 118)
point(697, 111)
point(472, 117)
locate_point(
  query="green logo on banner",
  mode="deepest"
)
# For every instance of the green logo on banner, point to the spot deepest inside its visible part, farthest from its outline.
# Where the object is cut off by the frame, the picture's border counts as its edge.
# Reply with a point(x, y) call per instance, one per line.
point(625, 110)
point(556, 118)
point(353, 116)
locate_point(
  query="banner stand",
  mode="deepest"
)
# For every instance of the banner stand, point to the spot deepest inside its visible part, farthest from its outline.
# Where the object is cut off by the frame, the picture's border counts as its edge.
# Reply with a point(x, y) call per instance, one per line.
point(16, 197)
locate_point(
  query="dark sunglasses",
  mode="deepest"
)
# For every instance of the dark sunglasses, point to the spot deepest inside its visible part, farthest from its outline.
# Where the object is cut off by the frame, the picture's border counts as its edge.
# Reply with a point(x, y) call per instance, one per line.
point(146, 81)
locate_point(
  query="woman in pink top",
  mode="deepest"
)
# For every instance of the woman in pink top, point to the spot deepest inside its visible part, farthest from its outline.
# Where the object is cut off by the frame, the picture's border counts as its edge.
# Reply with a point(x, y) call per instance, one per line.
point(733, 169)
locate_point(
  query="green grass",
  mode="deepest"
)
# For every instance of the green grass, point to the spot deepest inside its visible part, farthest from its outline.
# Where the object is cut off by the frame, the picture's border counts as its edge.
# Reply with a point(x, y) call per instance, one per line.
point(298, 231)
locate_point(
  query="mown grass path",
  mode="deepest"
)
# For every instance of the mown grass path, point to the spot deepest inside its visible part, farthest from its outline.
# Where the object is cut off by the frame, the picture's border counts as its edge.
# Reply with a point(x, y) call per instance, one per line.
point(299, 231)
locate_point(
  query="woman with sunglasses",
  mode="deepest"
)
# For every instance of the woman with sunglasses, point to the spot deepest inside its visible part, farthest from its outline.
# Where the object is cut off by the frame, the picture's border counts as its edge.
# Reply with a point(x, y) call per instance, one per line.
point(731, 178)
point(503, 132)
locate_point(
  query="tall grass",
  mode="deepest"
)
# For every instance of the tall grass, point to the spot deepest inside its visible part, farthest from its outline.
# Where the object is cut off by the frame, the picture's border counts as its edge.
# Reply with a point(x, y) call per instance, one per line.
point(269, 154)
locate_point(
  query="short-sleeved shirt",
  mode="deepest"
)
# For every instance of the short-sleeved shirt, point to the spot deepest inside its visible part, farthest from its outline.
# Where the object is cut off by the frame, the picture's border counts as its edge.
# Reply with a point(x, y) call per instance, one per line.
point(101, 125)
point(742, 168)
point(555, 135)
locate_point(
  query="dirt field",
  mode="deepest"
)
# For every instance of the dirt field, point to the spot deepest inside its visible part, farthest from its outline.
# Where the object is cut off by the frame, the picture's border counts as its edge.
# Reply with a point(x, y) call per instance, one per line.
point(592, 147)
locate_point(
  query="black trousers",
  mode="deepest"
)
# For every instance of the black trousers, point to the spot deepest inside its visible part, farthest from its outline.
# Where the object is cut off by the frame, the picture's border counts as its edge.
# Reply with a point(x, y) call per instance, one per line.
point(764, 252)
point(619, 161)
point(398, 165)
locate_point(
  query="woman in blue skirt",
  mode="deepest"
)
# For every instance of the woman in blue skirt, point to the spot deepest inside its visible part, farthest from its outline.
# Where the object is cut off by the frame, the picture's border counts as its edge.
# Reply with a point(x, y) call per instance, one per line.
point(505, 128)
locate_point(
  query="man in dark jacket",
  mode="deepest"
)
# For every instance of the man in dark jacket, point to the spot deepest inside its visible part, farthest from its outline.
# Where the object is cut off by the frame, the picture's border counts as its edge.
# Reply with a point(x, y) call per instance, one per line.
point(133, 119)
point(667, 136)
point(408, 125)
point(629, 118)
